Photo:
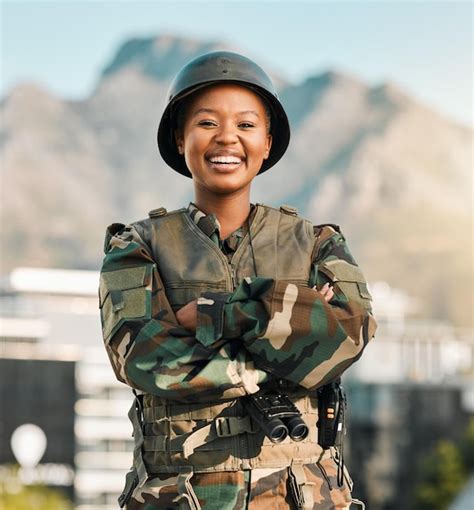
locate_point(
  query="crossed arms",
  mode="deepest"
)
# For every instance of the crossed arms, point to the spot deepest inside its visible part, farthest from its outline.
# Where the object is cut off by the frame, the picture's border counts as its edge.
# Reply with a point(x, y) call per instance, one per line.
point(227, 345)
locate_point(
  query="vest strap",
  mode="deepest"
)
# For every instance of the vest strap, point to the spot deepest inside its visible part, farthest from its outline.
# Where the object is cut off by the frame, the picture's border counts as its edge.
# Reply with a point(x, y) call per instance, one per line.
point(154, 443)
point(224, 426)
point(139, 466)
point(220, 427)
point(186, 498)
point(131, 481)
point(227, 426)
point(301, 488)
point(178, 412)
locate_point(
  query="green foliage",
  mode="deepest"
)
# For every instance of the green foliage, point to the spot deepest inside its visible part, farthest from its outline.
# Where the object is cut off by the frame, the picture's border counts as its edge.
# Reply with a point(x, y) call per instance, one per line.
point(467, 447)
point(16, 496)
point(443, 477)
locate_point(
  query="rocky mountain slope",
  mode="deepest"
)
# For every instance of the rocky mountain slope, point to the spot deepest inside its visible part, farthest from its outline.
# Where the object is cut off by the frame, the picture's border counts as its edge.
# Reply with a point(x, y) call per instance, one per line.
point(393, 173)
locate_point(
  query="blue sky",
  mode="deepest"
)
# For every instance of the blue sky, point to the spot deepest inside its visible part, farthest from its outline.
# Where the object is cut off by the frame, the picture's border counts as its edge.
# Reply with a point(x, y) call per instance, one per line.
point(423, 46)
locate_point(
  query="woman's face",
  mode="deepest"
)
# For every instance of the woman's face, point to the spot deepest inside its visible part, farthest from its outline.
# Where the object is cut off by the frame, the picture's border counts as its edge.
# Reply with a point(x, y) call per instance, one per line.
point(224, 138)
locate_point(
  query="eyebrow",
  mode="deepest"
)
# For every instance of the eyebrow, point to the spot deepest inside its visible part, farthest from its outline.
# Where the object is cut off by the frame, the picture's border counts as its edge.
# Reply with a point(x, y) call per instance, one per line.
point(210, 110)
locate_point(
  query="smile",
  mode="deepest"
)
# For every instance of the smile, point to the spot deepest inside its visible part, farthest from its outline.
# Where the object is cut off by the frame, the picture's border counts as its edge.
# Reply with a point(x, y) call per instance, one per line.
point(224, 163)
point(225, 159)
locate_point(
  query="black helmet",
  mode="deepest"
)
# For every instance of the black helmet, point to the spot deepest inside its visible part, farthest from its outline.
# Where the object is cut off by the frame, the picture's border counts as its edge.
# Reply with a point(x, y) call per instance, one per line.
point(216, 67)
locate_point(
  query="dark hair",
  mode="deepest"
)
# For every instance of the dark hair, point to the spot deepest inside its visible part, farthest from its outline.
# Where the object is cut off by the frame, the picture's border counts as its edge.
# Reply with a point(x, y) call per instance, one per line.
point(180, 112)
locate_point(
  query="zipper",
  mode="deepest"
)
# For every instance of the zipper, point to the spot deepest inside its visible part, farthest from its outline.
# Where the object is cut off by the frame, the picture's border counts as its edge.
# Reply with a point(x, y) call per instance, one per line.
point(233, 276)
point(245, 243)
point(197, 231)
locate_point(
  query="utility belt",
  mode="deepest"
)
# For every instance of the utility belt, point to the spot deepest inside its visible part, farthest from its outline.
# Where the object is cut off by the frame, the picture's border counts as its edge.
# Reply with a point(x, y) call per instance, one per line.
point(226, 436)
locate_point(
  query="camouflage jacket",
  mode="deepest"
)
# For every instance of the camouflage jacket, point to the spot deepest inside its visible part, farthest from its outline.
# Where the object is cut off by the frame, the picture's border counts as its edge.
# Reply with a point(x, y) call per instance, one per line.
point(265, 330)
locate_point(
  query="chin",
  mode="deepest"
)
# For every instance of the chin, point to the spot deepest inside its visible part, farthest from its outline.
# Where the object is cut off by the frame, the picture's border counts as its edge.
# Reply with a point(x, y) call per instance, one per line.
point(227, 181)
point(225, 190)
point(226, 186)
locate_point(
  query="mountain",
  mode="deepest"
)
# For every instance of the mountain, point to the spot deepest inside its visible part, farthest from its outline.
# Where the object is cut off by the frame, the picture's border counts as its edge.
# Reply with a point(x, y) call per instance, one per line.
point(395, 175)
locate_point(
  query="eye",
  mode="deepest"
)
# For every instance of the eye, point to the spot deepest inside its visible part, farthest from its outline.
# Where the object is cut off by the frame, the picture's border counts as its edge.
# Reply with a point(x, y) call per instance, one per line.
point(246, 124)
point(206, 123)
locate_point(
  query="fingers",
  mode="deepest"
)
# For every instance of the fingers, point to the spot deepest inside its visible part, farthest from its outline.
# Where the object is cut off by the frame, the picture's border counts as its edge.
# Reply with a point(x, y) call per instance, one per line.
point(326, 291)
point(329, 295)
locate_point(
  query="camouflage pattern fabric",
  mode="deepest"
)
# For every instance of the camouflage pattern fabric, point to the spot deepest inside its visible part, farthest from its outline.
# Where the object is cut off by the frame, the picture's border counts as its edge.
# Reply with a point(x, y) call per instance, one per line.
point(286, 330)
point(265, 329)
point(259, 489)
point(290, 331)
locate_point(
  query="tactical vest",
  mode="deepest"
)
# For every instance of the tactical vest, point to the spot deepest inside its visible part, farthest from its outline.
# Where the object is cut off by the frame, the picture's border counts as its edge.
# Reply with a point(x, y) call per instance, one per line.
point(191, 263)
point(219, 436)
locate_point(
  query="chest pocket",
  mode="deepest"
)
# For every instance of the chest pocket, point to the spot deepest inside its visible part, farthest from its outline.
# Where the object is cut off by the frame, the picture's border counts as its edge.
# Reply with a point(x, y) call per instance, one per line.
point(124, 294)
point(349, 279)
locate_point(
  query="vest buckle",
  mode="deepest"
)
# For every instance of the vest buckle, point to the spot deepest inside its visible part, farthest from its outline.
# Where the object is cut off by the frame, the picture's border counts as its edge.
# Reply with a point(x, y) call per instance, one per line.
point(288, 209)
point(156, 213)
point(227, 426)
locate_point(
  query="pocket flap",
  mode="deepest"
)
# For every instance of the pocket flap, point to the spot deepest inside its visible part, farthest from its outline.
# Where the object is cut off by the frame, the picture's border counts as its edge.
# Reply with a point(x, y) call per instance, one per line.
point(116, 296)
point(121, 279)
point(351, 280)
point(340, 270)
point(363, 290)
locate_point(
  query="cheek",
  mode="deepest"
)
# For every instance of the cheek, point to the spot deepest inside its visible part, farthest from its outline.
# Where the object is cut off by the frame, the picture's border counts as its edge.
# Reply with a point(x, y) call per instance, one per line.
point(193, 142)
point(259, 146)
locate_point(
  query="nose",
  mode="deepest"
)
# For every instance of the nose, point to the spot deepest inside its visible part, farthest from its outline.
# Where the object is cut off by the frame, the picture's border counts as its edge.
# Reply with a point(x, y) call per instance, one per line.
point(226, 134)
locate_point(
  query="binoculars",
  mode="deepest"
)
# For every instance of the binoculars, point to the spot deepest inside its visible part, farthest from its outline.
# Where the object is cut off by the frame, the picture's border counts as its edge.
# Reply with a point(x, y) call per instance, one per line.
point(277, 416)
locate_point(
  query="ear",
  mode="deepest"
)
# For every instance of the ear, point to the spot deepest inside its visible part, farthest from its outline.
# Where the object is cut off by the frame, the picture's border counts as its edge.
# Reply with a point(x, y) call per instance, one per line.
point(268, 146)
point(178, 137)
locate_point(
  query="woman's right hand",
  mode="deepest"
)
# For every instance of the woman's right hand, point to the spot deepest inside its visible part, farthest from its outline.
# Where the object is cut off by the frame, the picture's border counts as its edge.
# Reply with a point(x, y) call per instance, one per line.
point(187, 316)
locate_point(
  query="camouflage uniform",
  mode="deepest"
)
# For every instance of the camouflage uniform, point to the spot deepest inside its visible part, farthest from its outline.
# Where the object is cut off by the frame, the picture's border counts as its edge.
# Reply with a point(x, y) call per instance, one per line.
point(288, 333)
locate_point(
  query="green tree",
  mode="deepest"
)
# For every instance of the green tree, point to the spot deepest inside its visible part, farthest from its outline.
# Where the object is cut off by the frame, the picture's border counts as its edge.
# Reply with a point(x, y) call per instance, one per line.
point(443, 476)
point(467, 447)
point(37, 497)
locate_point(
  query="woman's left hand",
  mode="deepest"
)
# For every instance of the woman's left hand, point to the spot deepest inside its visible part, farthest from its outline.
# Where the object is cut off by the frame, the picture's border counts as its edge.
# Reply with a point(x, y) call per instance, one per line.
point(187, 316)
point(327, 292)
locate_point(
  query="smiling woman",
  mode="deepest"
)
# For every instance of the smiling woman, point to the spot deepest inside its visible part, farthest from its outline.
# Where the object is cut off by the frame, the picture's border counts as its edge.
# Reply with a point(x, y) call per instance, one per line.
point(232, 321)
point(224, 146)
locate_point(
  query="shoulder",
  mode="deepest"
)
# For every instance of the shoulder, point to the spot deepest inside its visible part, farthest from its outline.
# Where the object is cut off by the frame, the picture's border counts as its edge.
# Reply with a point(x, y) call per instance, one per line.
point(287, 220)
point(285, 209)
point(289, 212)
point(331, 242)
point(121, 235)
point(328, 231)
point(139, 230)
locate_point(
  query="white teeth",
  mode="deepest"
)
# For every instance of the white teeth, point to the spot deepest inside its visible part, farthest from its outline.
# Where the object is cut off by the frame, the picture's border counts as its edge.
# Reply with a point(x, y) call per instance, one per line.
point(225, 159)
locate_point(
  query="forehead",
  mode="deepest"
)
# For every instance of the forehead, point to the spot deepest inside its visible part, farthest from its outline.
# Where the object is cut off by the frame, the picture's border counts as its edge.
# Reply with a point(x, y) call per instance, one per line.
point(225, 94)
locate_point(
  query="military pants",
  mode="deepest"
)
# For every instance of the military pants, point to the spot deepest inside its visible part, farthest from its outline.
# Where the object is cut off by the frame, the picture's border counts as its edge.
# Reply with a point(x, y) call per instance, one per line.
point(257, 489)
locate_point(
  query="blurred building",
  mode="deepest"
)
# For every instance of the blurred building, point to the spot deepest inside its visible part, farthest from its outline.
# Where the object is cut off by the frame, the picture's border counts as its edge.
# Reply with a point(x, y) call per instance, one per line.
point(411, 389)
point(37, 398)
point(406, 349)
point(52, 316)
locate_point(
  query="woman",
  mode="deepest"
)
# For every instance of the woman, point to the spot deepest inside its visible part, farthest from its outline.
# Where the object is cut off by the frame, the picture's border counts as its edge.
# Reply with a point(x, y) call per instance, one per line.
point(225, 312)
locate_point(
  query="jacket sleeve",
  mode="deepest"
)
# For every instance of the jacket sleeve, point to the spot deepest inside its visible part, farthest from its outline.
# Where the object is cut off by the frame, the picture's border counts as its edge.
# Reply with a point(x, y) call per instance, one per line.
point(290, 330)
point(147, 347)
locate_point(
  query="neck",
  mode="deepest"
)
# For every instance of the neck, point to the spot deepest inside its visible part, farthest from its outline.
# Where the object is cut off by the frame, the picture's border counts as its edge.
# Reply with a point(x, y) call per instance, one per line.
point(230, 210)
